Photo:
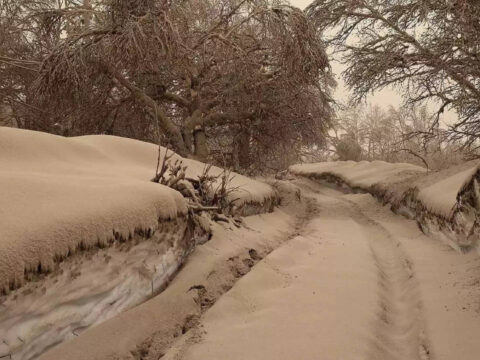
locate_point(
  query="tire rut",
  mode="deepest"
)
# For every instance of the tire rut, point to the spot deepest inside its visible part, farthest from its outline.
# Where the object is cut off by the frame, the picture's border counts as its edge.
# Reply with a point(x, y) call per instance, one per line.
point(398, 331)
point(399, 328)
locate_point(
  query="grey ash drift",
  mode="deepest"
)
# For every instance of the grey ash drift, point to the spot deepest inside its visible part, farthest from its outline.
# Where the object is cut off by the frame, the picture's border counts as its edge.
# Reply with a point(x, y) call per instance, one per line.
point(85, 234)
point(444, 203)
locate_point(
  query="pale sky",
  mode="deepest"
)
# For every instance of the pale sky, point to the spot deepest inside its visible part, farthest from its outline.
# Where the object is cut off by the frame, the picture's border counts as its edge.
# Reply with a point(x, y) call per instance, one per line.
point(382, 98)
point(300, 3)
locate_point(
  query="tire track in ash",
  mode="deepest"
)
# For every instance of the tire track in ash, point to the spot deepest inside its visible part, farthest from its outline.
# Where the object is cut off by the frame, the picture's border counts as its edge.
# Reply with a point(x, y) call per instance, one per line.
point(399, 328)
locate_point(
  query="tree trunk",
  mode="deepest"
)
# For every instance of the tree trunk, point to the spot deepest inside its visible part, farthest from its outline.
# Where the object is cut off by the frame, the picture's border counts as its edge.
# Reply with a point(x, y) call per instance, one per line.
point(87, 17)
point(166, 125)
point(201, 148)
point(189, 129)
point(242, 159)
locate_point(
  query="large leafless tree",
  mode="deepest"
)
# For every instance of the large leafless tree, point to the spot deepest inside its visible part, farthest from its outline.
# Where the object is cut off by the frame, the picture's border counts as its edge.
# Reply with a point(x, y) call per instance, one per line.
point(254, 71)
point(427, 48)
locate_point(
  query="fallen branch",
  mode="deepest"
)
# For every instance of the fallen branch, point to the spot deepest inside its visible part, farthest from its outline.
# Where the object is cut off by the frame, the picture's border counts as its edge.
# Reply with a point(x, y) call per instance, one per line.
point(160, 173)
point(199, 208)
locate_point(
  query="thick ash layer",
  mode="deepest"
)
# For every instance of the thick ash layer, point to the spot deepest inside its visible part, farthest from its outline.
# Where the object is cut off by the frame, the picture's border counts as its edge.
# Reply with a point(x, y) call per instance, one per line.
point(95, 283)
point(458, 227)
point(92, 286)
point(59, 195)
point(149, 329)
point(70, 211)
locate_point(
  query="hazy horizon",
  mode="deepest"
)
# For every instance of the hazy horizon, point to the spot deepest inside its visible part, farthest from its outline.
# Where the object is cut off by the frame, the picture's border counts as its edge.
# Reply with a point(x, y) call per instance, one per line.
point(383, 98)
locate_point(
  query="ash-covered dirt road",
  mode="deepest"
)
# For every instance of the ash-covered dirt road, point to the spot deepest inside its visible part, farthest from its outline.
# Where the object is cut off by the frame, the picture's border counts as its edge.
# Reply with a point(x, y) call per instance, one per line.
point(358, 282)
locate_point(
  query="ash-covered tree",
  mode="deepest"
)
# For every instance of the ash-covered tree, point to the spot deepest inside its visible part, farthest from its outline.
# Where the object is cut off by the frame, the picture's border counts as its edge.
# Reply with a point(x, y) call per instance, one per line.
point(427, 48)
point(24, 42)
point(255, 70)
point(374, 133)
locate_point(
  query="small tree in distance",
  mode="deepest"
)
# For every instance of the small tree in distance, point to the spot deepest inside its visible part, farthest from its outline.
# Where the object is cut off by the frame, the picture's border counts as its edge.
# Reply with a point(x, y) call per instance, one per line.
point(373, 133)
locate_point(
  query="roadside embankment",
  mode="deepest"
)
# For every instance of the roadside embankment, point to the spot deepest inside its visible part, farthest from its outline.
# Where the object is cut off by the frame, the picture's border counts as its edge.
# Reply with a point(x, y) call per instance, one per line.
point(444, 203)
point(85, 234)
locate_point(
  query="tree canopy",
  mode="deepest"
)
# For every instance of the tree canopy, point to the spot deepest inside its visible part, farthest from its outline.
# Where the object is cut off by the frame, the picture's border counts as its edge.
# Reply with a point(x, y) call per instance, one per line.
point(427, 48)
point(251, 72)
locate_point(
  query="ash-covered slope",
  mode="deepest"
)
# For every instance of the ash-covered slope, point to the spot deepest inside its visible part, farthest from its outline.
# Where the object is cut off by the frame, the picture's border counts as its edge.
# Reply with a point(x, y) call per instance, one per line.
point(362, 175)
point(444, 203)
point(58, 195)
point(84, 209)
